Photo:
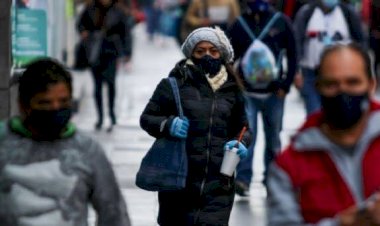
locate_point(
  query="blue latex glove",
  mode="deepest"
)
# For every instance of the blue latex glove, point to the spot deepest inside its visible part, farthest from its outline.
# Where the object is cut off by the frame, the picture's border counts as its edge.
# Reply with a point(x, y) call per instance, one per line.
point(179, 127)
point(242, 150)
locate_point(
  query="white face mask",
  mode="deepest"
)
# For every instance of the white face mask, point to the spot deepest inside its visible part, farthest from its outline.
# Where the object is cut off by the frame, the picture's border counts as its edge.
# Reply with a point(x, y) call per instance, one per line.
point(330, 3)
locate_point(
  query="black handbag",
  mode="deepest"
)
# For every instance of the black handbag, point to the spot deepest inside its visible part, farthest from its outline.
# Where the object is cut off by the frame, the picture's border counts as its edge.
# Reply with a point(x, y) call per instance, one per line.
point(87, 52)
point(164, 167)
point(80, 61)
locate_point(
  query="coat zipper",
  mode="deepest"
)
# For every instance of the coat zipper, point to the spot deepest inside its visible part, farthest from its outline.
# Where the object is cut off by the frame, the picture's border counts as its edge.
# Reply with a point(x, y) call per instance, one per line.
point(207, 154)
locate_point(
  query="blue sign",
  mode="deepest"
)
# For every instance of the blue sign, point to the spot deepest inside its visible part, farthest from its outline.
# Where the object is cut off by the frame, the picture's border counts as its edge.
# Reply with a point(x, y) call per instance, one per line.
point(29, 35)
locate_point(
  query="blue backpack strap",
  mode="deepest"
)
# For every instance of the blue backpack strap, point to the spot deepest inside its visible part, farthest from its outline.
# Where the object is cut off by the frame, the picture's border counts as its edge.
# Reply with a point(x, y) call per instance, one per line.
point(280, 57)
point(246, 28)
point(173, 84)
point(265, 31)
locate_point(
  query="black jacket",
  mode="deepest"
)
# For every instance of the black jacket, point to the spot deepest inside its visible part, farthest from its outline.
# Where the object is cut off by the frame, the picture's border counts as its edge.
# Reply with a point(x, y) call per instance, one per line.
point(116, 42)
point(215, 118)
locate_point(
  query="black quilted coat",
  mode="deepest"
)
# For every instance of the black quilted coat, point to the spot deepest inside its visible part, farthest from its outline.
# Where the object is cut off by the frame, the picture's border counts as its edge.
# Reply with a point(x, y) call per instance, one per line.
point(215, 118)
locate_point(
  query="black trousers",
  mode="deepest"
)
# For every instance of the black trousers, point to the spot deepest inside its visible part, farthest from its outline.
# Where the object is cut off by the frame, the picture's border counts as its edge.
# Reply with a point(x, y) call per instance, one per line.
point(105, 72)
point(174, 209)
point(188, 208)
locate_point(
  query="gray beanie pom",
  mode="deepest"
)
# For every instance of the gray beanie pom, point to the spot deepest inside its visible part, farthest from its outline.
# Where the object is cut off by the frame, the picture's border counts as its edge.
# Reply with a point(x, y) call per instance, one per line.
point(213, 35)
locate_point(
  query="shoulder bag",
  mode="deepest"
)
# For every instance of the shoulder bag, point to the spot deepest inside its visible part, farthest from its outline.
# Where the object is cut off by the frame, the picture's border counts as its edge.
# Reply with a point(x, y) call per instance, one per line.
point(164, 167)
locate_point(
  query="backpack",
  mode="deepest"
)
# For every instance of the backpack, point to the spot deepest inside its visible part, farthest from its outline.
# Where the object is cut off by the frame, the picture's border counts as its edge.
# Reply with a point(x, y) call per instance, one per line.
point(259, 65)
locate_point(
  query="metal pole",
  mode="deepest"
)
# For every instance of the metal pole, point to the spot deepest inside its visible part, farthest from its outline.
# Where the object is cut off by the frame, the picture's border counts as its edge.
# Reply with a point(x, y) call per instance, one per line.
point(5, 58)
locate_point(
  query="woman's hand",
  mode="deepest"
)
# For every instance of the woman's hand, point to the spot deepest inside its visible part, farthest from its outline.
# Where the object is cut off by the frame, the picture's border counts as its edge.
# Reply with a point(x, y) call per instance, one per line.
point(241, 149)
point(179, 127)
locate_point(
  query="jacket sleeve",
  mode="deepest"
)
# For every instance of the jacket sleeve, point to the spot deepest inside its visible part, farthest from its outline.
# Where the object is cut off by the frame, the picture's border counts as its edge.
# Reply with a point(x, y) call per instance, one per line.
point(354, 22)
point(239, 120)
point(160, 111)
point(84, 21)
point(106, 196)
point(284, 210)
point(299, 27)
point(291, 55)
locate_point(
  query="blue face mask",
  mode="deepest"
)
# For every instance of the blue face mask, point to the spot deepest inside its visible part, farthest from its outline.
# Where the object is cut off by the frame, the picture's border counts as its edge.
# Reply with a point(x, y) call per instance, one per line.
point(330, 3)
point(258, 6)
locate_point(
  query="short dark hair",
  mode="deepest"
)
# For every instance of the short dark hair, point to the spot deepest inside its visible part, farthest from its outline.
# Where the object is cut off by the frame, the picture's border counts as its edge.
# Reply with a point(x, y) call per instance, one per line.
point(355, 47)
point(37, 77)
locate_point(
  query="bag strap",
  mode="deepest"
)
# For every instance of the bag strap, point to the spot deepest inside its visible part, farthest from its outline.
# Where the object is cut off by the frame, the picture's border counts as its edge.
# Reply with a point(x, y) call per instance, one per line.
point(246, 28)
point(264, 32)
point(174, 85)
point(279, 60)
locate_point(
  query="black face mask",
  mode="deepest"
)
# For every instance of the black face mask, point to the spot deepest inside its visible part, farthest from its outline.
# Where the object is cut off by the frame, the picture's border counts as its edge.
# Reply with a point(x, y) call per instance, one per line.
point(344, 110)
point(208, 64)
point(49, 123)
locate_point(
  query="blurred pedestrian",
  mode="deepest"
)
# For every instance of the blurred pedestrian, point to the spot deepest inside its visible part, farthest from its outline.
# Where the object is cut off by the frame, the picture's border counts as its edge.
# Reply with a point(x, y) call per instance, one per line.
point(126, 6)
point(152, 17)
point(184, 5)
point(374, 33)
point(102, 26)
point(170, 17)
point(328, 174)
point(49, 171)
point(318, 24)
point(291, 7)
point(214, 110)
point(210, 13)
point(277, 33)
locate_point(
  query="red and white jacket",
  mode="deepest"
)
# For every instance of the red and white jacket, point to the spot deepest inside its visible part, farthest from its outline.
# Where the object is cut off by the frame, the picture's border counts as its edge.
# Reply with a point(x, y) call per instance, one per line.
point(314, 178)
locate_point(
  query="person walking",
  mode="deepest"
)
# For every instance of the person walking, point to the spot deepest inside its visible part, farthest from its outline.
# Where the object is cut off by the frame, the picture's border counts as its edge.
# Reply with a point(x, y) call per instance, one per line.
point(214, 109)
point(50, 172)
point(277, 34)
point(152, 17)
point(318, 24)
point(328, 174)
point(221, 13)
point(102, 26)
point(374, 33)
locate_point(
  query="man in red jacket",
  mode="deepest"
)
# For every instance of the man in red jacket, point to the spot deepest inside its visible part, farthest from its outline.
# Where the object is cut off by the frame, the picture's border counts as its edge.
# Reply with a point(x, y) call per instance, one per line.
point(329, 173)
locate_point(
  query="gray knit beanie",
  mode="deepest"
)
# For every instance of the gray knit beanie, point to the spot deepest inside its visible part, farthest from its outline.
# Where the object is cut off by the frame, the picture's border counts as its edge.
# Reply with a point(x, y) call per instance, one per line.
point(213, 35)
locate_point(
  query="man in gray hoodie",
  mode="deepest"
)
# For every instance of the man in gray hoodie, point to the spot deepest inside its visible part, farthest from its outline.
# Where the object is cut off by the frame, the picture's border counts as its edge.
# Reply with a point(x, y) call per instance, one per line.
point(49, 171)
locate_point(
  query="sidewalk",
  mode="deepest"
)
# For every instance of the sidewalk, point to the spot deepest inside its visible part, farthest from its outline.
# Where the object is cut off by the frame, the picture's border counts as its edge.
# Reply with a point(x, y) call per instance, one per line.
point(127, 144)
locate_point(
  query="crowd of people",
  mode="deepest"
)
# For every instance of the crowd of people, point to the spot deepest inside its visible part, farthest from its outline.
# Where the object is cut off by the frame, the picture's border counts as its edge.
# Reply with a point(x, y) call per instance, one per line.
point(240, 59)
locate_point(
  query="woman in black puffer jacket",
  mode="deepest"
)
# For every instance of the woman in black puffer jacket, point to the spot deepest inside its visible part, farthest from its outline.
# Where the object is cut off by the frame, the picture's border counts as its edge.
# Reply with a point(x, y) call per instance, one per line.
point(214, 107)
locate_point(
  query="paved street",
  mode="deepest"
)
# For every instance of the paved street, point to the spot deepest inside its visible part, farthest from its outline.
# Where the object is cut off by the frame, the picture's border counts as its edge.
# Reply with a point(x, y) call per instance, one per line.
point(127, 144)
